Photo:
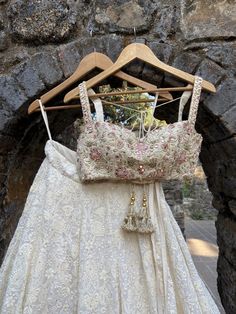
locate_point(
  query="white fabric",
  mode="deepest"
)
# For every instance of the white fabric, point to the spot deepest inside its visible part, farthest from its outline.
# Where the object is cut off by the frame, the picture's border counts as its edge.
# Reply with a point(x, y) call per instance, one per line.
point(69, 254)
point(183, 101)
point(97, 105)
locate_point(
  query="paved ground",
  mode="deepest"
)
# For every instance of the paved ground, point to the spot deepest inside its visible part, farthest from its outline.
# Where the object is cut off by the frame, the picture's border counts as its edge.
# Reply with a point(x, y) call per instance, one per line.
point(201, 240)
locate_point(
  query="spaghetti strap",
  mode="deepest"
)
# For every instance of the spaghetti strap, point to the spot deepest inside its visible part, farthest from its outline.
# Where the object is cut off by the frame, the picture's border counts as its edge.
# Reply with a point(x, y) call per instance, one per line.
point(183, 101)
point(45, 118)
point(195, 99)
point(97, 105)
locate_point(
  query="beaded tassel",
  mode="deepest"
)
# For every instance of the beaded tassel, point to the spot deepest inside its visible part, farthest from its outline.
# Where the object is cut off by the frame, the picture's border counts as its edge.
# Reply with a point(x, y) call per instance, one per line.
point(138, 222)
point(144, 223)
point(129, 223)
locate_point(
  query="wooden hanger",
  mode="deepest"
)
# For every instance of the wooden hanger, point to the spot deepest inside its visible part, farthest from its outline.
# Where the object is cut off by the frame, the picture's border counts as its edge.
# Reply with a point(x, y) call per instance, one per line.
point(189, 87)
point(144, 53)
point(87, 64)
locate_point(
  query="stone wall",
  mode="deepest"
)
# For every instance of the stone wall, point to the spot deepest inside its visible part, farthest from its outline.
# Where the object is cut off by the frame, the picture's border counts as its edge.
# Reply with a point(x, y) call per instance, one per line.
point(174, 197)
point(42, 42)
point(197, 199)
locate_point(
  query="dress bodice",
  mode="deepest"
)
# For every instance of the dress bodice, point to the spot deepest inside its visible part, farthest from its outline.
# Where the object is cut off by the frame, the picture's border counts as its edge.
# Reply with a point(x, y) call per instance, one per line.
point(106, 151)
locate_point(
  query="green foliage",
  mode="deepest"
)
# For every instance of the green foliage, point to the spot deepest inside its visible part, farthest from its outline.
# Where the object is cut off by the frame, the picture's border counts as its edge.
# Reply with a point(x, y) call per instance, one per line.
point(186, 189)
point(198, 215)
point(128, 114)
point(201, 215)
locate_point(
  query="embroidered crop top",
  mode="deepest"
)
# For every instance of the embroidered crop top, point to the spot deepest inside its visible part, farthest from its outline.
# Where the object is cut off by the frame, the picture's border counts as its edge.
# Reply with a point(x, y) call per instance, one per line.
point(106, 151)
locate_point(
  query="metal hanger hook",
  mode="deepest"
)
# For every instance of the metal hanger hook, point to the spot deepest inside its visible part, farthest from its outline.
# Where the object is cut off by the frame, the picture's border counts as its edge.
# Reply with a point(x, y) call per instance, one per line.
point(90, 31)
point(91, 34)
point(135, 37)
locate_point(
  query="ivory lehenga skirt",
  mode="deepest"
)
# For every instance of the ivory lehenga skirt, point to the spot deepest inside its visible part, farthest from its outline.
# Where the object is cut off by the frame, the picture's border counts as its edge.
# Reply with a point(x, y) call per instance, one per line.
point(69, 253)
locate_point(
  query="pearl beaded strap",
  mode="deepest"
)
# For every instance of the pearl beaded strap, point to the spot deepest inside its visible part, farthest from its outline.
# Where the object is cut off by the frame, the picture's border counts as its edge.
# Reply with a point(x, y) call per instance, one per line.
point(195, 99)
point(86, 107)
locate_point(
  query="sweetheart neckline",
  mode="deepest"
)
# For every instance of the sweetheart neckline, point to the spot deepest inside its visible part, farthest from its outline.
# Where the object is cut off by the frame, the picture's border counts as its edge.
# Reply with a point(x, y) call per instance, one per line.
point(91, 124)
point(148, 133)
point(119, 127)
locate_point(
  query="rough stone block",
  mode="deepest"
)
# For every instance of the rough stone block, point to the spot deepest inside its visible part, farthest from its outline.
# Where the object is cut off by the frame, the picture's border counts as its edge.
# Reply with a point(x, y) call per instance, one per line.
point(69, 57)
point(134, 68)
point(228, 119)
point(11, 93)
point(229, 186)
point(164, 53)
point(222, 53)
point(148, 72)
point(151, 74)
point(208, 19)
point(3, 41)
point(4, 119)
point(164, 21)
point(48, 68)
point(41, 21)
point(226, 232)
point(111, 45)
point(203, 118)
point(101, 44)
point(2, 20)
point(215, 132)
point(114, 46)
point(28, 78)
point(218, 203)
point(187, 62)
point(232, 206)
point(228, 147)
point(123, 17)
point(226, 283)
point(91, 44)
point(224, 99)
point(184, 61)
point(210, 71)
point(7, 143)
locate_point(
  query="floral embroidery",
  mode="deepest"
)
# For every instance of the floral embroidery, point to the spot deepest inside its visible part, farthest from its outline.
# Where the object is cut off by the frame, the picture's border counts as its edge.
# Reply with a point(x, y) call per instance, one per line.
point(122, 172)
point(95, 154)
point(169, 152)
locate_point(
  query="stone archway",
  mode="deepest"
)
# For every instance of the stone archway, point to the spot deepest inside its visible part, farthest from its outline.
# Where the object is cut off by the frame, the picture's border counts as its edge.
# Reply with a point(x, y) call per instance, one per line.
point(40, 50)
